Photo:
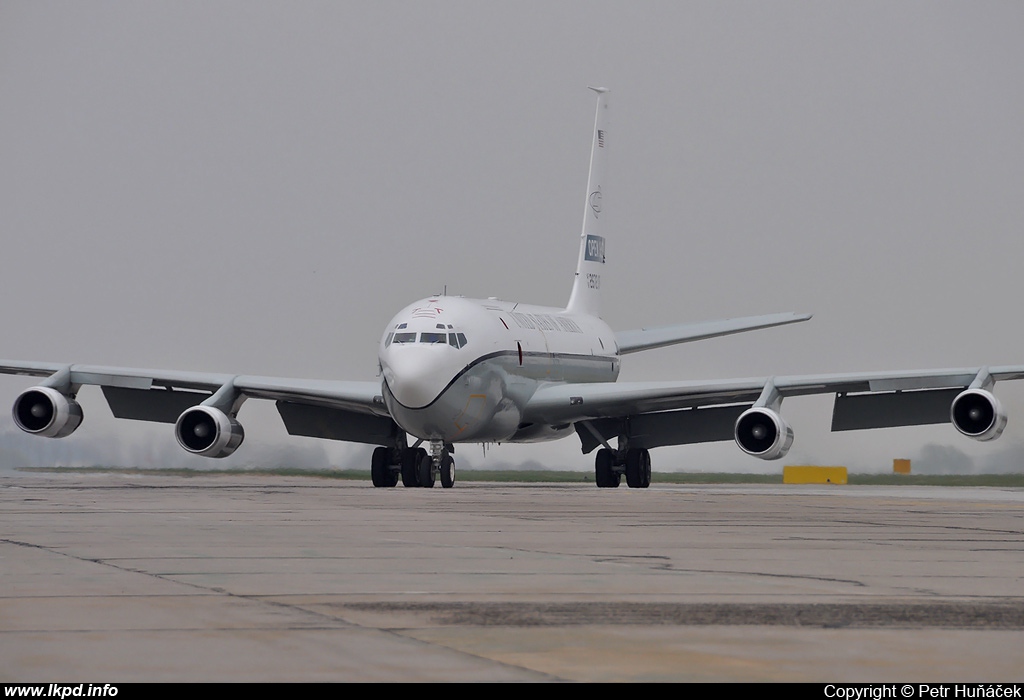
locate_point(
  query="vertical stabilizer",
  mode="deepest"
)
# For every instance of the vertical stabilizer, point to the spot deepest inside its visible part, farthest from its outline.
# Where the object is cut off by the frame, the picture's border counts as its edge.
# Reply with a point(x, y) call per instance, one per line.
point(586, 288)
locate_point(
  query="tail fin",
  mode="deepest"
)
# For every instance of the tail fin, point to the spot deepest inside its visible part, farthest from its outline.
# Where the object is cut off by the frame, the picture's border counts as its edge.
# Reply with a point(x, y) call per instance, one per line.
point(586, 288)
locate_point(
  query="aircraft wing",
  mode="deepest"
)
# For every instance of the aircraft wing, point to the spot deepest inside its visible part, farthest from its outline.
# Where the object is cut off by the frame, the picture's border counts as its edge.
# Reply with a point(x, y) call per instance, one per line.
point(673, 413)
point(650, 338)
point(364, 397)
point(340, 410)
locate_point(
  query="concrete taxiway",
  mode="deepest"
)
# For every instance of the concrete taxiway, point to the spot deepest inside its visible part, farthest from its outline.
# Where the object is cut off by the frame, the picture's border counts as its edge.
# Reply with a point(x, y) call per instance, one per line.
point(111, 578)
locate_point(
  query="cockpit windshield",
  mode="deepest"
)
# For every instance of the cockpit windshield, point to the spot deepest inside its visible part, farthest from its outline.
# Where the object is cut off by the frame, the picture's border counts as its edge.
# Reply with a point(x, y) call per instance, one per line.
point(456, 340)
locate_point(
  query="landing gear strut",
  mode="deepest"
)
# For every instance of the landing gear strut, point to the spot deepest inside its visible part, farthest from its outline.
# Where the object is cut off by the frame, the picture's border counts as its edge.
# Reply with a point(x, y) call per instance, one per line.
point(610, 465)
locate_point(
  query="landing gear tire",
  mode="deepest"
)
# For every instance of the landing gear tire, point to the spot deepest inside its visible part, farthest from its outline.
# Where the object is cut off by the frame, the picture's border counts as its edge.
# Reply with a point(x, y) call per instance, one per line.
point(425, 471)
point(380, 468)
point(447, 470)
point(411, 458)
point(604, 469)
point(638, 468)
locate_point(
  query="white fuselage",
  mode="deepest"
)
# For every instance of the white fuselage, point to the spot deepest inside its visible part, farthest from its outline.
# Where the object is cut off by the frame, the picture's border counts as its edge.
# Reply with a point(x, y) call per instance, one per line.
point(461, 370)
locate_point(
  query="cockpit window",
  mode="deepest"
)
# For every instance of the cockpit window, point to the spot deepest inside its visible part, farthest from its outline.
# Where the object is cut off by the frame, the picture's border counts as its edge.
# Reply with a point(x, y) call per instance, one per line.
point(456, 340)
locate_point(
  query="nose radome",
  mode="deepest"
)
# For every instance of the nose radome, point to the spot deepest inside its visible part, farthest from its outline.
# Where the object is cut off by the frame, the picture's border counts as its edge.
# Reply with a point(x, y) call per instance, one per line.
point(415, 376)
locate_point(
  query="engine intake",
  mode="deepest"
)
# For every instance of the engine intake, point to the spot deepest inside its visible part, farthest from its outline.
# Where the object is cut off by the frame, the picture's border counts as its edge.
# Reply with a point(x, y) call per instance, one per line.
point(46, 412)
point(208, 432)
point(761, 432)
point(978, 414)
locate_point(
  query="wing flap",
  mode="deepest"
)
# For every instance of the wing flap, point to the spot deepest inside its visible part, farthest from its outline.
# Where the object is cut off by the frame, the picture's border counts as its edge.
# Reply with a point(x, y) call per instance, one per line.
point(153, 405)
point(892, 410)
point(650, 430)
point(336, 424)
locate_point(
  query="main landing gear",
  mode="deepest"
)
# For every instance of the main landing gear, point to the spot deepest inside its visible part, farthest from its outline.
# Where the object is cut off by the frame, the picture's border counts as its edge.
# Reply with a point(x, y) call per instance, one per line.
point(635, 463)
point(414, 465)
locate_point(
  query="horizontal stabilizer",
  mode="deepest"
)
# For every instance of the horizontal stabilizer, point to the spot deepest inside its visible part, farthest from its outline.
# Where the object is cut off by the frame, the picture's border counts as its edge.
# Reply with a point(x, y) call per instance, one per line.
point(650, 338)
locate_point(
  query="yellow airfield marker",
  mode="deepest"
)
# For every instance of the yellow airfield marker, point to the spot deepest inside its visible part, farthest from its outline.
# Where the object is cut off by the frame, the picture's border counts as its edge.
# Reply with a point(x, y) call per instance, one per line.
point(813, 475)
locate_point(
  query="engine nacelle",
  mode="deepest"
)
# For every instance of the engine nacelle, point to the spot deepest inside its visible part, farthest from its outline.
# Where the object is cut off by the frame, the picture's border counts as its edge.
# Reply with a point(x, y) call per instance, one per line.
point(44, 411)
point(761, 432)
point(208, 432)
point(978, 414)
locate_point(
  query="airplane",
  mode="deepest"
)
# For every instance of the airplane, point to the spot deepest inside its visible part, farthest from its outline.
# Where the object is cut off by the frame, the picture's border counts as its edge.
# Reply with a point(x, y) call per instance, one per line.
point(457, 370)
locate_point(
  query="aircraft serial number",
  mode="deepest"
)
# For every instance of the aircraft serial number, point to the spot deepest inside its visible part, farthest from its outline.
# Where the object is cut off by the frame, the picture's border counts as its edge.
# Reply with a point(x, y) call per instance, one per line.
point(593, 281)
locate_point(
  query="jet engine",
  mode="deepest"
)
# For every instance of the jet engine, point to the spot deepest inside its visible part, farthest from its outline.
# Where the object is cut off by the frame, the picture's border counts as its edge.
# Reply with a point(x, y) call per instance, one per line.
point(761, 432)
point(978, 414)
point(44, 411)
point(208, 432)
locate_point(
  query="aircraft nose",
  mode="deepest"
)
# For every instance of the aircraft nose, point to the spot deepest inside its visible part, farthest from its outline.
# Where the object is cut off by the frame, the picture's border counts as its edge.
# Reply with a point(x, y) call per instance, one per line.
point(415, 376)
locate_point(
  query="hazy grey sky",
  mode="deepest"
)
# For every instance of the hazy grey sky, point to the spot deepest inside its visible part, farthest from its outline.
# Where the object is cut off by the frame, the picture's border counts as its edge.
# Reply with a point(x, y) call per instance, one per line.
point(256, 187)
